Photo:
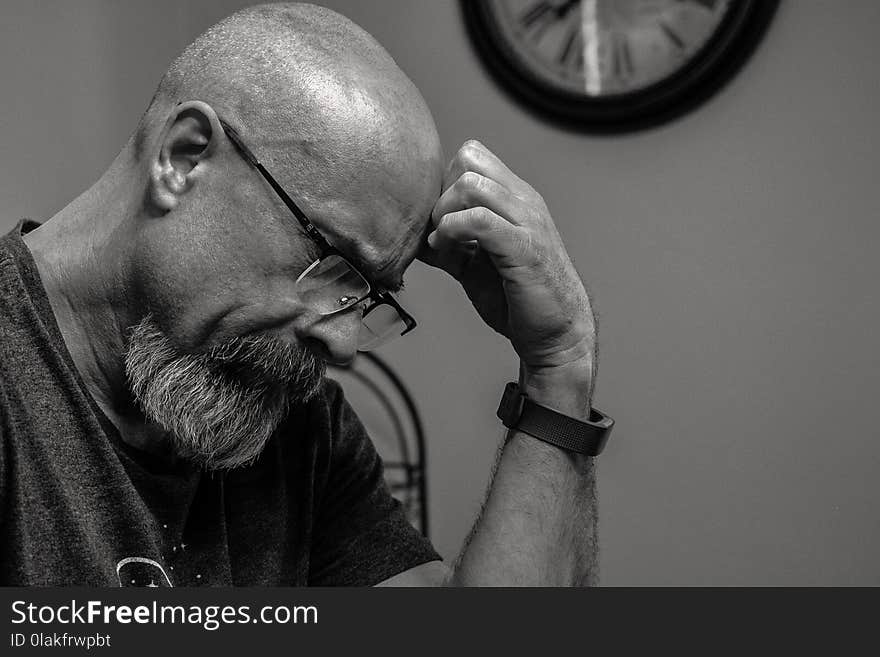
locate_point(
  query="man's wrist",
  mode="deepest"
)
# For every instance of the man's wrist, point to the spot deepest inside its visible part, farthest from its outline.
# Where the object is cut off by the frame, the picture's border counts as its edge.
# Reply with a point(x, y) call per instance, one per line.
point(566, 389)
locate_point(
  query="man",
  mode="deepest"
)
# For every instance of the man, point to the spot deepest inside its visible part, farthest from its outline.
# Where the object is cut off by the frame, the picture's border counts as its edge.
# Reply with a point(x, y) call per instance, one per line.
point(163, 412)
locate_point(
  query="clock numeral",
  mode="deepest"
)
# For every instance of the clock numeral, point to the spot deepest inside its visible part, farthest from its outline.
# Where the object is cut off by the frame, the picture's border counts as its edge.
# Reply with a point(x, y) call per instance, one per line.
point(539, 16)
point(621, 56)
point(672, 36)
point(537, 19)
point(571, 51)
point(530, 16)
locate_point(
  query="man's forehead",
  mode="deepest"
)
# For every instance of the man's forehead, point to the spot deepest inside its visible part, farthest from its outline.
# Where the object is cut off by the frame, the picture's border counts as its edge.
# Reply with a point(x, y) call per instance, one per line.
point(378, 215)
point(382, 265)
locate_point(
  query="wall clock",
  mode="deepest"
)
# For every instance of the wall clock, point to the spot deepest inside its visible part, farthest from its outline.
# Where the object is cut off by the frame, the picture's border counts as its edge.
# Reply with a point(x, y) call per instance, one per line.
point(615, 65)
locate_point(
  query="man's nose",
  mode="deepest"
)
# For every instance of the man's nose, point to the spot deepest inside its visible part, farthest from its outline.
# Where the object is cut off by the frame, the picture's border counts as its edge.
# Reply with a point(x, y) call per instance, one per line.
point(334, 337)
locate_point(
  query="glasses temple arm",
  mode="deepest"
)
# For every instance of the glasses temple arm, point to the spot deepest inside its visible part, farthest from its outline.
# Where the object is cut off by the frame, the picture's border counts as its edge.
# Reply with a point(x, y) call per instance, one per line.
point(289, 202)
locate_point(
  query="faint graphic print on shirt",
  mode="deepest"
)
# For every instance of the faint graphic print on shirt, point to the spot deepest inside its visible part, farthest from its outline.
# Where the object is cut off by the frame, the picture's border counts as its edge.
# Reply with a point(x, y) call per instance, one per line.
point(140, 571)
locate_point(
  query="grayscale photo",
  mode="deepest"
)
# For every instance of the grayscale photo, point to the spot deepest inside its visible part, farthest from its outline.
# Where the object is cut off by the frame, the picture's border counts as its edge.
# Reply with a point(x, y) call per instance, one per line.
point(423, 293)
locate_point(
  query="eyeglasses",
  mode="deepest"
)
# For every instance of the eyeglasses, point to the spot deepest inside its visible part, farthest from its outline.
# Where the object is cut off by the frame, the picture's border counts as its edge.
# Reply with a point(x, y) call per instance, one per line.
point(331, 284)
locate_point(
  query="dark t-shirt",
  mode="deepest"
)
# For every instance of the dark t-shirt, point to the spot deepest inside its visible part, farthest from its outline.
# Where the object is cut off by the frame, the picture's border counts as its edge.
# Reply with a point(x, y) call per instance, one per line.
point(78, 506)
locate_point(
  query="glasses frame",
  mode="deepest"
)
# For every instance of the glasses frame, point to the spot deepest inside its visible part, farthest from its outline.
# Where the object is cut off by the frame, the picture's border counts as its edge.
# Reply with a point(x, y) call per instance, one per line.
point(326, 249)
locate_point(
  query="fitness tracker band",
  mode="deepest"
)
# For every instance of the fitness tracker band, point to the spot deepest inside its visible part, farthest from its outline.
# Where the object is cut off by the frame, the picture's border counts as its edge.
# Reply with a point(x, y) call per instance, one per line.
point(584, 437)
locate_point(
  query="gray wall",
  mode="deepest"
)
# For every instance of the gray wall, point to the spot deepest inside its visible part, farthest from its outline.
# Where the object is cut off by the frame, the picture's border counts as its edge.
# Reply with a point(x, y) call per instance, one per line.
point(731, 254)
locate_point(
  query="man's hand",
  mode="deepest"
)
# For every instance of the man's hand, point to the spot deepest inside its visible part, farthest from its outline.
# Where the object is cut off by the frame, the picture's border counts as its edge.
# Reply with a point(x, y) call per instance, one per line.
point(494, 234)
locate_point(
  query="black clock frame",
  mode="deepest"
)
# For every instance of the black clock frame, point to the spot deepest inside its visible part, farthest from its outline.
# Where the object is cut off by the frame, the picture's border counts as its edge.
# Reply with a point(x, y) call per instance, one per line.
point(723, 55)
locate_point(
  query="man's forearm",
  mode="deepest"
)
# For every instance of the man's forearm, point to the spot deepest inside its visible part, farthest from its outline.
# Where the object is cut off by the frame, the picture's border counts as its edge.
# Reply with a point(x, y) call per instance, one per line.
point(538, 525)
point(493, 232)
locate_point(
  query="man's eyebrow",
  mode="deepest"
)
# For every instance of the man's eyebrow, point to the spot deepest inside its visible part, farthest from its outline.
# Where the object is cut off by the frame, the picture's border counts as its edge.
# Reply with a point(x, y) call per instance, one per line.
point(388, 283)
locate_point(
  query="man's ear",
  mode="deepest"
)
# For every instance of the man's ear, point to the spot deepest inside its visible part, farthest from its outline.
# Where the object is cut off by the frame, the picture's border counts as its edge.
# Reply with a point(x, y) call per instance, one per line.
point(189, 138)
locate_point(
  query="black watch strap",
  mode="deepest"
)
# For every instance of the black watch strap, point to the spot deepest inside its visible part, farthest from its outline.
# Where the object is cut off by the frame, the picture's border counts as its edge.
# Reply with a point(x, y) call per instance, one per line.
point(519, 412)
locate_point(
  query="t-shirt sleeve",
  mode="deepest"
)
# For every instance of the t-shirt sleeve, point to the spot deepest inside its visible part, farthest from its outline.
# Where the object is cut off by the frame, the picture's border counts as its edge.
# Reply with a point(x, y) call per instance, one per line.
point(3, 461)
point(361, 534)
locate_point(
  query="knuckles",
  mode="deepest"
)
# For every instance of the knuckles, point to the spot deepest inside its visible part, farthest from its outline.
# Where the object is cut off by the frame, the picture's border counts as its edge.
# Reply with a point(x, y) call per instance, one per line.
point(471, 185)
point(469, 155)
point(471, 188)
point(482, 215)
point(472, 147)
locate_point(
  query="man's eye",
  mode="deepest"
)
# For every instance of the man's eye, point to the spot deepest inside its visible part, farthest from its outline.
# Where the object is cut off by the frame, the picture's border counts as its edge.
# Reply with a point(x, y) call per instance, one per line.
point(346, 301)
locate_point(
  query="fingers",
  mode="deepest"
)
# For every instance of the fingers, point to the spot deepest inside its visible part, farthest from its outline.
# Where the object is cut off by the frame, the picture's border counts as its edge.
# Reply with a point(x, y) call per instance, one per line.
point(474, 156)
point(494, 234)
point(485, 204)
point(473, 189)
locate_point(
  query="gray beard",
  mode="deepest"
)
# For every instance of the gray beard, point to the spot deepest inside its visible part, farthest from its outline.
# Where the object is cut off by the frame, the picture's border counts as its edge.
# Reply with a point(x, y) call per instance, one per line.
point(222, 406)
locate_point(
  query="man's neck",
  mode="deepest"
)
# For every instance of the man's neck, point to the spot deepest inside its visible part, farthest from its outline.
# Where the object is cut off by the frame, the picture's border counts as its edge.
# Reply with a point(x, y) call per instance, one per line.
point(82, 256)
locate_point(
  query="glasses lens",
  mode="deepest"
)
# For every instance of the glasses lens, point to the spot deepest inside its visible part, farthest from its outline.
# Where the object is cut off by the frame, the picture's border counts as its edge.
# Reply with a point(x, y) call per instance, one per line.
point(379, 325)
point(331, 285)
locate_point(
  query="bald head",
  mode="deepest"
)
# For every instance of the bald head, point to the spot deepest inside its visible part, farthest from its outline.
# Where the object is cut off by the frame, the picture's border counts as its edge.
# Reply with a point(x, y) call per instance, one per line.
point(335, 122)
point(187, 260)
point(313, 91)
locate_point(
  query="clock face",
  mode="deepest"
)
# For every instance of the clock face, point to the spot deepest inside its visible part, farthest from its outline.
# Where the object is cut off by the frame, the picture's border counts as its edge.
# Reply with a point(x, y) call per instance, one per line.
point(606, 47)
point(615, 62)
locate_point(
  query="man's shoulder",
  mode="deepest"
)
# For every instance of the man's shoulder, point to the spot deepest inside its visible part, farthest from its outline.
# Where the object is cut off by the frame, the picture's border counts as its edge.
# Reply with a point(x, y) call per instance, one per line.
point(17, 310)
